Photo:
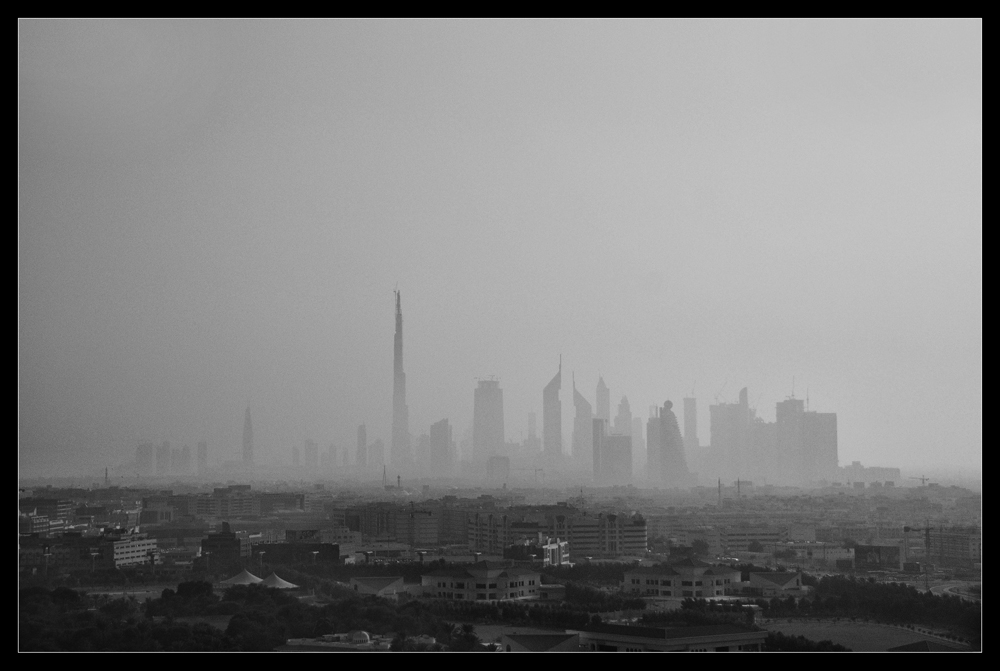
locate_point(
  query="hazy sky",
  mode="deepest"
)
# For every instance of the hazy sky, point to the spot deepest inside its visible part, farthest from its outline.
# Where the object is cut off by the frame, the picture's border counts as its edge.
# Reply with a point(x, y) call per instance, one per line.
point(215, 213)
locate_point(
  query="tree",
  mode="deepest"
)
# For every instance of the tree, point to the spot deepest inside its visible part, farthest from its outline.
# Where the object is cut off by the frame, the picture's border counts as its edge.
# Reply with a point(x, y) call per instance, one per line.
point(700, 547)
point(755, 546)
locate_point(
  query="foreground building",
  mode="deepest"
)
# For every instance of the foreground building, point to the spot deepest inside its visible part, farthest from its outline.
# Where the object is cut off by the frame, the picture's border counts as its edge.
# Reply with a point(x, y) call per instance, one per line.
point(624, 638)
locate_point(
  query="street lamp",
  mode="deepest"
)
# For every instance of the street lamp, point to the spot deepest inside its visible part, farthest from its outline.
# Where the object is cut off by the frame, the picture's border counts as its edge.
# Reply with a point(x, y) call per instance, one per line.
point(314, 553)
point(262, 553)
point(207, 556)
point(93, 561)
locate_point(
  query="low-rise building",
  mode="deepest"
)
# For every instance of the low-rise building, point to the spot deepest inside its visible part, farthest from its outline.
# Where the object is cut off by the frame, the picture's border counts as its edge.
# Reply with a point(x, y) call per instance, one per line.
point(135, 549)
point(484, 581)
point(686, 579)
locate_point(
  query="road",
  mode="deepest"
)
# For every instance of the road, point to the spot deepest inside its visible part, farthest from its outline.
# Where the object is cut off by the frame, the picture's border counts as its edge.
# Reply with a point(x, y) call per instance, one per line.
point(959, 589)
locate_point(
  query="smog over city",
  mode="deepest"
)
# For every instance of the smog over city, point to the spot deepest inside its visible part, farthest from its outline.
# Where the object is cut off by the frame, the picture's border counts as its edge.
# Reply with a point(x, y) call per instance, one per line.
point(307, 278)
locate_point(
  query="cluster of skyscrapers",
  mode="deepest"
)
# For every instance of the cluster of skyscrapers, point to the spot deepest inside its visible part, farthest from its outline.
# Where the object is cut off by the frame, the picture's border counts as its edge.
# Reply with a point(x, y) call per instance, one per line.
point(799, 447)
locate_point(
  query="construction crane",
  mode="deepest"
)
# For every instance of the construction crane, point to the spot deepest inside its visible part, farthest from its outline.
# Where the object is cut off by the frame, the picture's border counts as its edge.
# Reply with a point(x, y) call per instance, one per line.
point(923, 480)
point(721, 389)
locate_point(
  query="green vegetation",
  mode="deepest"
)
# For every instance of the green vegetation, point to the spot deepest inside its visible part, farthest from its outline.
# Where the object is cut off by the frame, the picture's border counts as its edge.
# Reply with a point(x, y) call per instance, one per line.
point(262, 619)
point(596, 601)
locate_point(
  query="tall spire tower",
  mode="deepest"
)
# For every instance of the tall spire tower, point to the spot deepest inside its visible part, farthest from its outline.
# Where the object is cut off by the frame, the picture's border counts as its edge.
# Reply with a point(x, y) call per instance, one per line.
point(400, 413)
point(247, 439)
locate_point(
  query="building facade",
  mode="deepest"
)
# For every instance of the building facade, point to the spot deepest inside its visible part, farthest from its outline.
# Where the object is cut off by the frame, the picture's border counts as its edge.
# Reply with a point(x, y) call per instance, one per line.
point(484, 581)
point(681, 580)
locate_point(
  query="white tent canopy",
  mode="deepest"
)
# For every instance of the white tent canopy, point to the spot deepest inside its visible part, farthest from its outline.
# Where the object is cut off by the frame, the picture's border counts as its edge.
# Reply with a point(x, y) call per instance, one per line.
point(243, 578)
point(274, 581)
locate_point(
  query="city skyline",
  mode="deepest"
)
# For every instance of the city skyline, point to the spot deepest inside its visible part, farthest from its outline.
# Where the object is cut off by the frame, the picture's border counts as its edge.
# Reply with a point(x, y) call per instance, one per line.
point(212, 216)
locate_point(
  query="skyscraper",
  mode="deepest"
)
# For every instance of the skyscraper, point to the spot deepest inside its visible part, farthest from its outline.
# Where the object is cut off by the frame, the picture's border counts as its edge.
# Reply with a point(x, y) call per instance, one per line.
point(603, 400)
point(583, 431)
point(163, 459)
point(487, 421)
point(673, 464)
point(653, 444)
point(691, 424)
point(362, 455)
point(819, 445)
point(623, 420)
point(788, 421)
point(552, 416)
point(400, 448)
point(440, 449)
point(612, 455)
point(532, 443)
point(730, 436)
point(247, 439)
point(638, 454)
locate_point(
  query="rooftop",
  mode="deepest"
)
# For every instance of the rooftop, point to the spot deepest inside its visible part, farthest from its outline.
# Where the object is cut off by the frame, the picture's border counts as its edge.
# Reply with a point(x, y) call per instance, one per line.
point(539, 642)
